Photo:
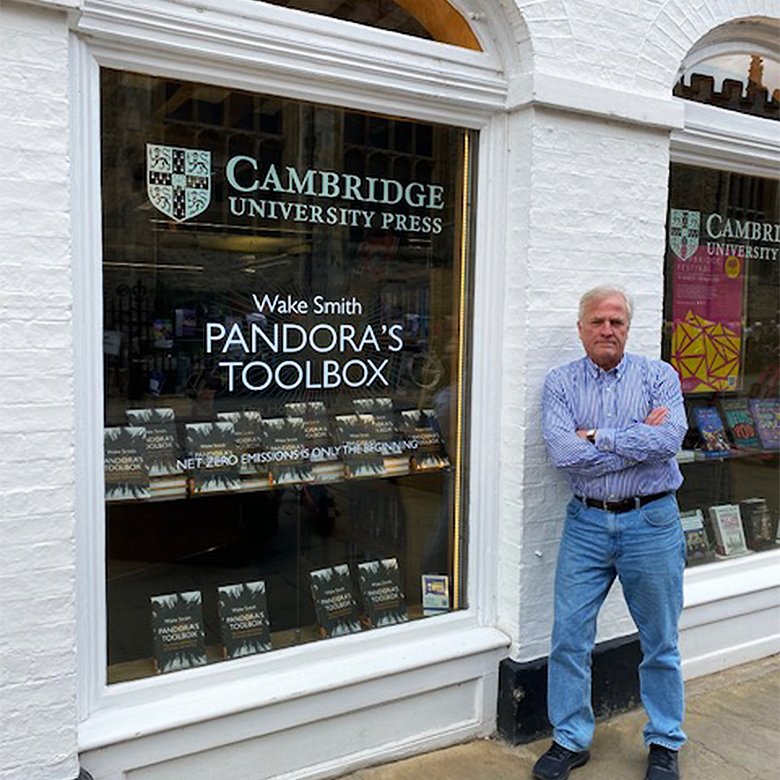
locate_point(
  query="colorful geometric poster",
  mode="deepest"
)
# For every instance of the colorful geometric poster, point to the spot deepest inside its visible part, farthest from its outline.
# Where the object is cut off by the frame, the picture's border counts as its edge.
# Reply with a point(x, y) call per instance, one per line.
point(707, 321)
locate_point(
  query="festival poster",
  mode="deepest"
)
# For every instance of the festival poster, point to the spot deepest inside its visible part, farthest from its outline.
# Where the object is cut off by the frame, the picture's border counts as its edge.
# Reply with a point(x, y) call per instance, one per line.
point(707, 295)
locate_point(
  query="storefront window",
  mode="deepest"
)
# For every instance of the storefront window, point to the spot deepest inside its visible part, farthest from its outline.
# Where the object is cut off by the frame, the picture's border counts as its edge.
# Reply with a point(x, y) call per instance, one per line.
point(285, 334)
point(722, 319)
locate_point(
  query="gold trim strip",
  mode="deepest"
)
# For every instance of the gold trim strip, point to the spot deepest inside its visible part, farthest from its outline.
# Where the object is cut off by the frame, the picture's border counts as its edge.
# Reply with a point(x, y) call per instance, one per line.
point(457, 509)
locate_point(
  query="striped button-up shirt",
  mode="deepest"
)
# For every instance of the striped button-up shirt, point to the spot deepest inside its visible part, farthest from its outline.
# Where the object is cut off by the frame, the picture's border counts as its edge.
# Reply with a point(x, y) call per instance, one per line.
point(629, 457)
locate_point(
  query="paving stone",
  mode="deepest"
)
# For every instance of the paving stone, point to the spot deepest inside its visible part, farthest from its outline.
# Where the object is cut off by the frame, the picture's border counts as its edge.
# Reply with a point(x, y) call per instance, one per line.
point(733, 726)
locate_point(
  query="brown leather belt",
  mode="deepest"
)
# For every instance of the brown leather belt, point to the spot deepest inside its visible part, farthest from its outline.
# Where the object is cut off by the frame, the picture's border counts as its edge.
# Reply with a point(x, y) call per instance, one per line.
point(624, 504)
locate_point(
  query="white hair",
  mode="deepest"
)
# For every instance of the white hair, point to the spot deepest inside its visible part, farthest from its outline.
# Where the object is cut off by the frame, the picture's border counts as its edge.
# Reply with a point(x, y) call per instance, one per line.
point(606, 291)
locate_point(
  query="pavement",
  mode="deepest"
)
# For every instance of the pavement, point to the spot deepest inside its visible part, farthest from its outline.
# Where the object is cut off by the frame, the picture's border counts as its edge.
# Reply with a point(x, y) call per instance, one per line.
point(732, 722)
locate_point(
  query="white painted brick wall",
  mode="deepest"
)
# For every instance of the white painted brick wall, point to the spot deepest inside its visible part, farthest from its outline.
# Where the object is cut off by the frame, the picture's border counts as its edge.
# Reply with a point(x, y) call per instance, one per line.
point(631, 44)
point(37, 556)
point(513, 358)
point(597, 215)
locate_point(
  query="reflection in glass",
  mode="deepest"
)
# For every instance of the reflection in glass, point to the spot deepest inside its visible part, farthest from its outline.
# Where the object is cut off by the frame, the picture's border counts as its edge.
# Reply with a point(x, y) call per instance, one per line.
point(748, 83)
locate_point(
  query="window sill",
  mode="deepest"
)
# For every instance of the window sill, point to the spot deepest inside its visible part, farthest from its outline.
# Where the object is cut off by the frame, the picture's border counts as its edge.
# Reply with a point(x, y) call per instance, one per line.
point(732, 578)
point(133, 710)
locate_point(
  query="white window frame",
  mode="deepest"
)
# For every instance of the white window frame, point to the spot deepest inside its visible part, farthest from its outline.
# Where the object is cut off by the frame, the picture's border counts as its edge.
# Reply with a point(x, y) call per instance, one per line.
point(726, 140)
point(253, 46)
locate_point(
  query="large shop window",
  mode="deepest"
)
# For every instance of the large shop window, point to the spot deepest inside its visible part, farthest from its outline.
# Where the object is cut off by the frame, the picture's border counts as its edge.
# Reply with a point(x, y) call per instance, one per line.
point(285, 324)
point(721, 312)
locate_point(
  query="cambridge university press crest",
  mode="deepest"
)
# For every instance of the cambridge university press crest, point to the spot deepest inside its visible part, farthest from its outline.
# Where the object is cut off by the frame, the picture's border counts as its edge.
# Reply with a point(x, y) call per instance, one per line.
point(684, 227)
point(178, 181)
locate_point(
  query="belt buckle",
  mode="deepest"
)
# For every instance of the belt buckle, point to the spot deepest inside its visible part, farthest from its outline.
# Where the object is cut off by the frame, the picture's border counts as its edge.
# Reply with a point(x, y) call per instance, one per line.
point(637, 502)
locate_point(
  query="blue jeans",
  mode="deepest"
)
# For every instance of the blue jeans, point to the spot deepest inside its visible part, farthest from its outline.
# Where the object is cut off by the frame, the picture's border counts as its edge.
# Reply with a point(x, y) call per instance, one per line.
point(645, 548)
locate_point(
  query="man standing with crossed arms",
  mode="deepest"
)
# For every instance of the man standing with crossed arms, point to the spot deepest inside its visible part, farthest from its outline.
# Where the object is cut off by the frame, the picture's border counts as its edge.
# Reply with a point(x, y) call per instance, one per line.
point(613, 422)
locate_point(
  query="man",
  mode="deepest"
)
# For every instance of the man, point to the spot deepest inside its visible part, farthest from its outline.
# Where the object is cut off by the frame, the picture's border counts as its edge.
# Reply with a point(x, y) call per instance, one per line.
point(613, 422)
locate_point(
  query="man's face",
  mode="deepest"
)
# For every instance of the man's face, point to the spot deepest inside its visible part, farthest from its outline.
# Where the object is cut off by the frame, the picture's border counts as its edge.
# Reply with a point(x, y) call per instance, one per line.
point(604, 331)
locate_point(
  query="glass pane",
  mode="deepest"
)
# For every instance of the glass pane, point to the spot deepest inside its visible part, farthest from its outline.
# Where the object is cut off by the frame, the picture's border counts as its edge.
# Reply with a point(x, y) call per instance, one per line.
point(433, 19)
point(385, 14)
point(721, 334)
point(284, 312)
point(747, 83)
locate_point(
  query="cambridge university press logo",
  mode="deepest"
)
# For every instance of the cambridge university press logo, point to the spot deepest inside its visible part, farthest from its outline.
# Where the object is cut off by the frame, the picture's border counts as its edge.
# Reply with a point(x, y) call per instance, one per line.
point(684, 227)
point(178, 181)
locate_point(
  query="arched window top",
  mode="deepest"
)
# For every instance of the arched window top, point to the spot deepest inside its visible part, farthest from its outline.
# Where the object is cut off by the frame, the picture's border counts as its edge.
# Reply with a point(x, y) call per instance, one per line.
point(435, 20)
point(737, 67)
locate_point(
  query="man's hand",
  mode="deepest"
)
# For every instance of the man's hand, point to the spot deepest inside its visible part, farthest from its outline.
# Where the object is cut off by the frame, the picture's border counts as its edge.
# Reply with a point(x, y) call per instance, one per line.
point(582, 433)
point(657, 416)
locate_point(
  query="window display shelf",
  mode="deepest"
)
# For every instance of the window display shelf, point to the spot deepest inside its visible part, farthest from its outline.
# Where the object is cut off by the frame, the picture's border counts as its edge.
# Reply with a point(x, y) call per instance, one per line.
point(685, 457)
point(334, 474)
point(215, 653)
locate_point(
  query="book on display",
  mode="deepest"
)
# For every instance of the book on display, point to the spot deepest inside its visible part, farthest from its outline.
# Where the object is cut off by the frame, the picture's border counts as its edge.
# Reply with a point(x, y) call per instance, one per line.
point(727, 529)
point(711, 430)
point(766, 413)
point(248, 431)
point(243, 619)
point(380, 587)
point(740, 422)
point(167, 479)
point(334, 601)
point(435, 594)
point(697, 547)
point(757, 523)
point(211, 448)
point(359, 438)
point(177, 631)
point(421, 428)
point(124, 464)
point(285, 443)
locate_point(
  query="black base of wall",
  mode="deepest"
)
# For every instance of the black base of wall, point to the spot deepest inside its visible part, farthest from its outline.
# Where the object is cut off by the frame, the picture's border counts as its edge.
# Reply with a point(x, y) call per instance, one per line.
point(522, 689)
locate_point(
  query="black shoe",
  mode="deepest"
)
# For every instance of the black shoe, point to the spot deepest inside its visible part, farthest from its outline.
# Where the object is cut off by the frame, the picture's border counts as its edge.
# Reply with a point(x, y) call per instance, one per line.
point(557, 762)
point(662, 764)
